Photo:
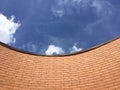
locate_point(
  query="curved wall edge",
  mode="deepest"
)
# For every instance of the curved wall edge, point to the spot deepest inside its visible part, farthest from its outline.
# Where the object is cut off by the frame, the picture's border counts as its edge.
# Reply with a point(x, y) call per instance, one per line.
point(86, 50)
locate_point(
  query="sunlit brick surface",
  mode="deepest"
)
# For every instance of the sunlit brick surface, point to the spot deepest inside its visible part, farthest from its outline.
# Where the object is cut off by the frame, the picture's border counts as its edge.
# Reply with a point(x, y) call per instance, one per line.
point(98, 69)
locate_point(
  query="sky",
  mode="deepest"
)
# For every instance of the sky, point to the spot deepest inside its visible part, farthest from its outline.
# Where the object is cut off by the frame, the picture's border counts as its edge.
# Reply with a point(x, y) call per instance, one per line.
point(58, 27)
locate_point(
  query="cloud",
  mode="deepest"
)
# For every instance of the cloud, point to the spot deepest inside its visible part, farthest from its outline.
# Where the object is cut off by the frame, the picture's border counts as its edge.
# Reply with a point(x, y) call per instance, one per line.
point(75, 49)
point(58, 12)
point(52, 49)
point(7, 29)
point(31, 47)
point(96, 4)
point(102, 7)
point(105, 10)
point(65, 6)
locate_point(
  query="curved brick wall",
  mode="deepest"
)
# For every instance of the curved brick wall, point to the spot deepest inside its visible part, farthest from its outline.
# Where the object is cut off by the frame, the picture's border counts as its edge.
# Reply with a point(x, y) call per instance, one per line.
point(98, 69)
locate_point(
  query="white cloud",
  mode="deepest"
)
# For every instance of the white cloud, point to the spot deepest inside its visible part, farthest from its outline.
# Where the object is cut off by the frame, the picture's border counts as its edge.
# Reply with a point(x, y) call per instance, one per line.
point(7, 29)
point(75, 49)
point(52, 49)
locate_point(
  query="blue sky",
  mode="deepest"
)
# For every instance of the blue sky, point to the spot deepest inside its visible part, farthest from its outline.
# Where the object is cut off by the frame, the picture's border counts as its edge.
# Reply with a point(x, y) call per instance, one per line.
point(59, 26)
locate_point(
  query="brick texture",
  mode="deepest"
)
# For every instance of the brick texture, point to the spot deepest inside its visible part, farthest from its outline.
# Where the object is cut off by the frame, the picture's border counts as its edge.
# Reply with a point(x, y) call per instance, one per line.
point(97, 69)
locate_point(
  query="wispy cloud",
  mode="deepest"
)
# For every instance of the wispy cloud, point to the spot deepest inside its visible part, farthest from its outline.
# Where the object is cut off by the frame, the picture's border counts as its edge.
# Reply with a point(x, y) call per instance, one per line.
point(102, 7)
point(105, 11)
point(29, 46)
point(64, 6)
point(52, 49)
point(7, 29)
point(58, 12)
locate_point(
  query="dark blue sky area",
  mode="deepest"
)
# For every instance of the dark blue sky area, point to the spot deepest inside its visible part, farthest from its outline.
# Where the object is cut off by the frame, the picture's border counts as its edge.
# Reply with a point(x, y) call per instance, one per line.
point(67, 24)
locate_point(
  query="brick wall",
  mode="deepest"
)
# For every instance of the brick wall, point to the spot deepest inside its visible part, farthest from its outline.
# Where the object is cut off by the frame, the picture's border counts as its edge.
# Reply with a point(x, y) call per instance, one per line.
point(97, 69)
